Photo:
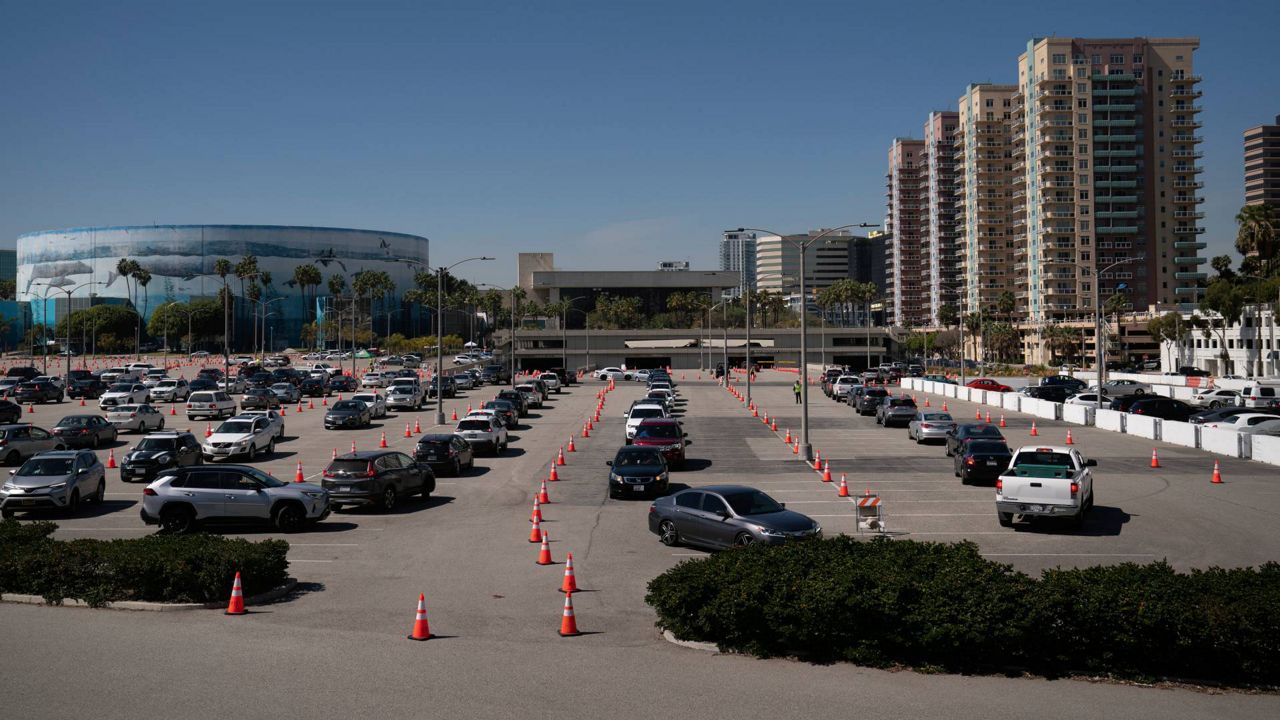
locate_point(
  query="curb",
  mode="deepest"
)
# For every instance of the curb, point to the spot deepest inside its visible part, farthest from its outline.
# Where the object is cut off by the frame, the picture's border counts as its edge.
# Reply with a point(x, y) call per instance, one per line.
point(144, 605)
point(691, 644)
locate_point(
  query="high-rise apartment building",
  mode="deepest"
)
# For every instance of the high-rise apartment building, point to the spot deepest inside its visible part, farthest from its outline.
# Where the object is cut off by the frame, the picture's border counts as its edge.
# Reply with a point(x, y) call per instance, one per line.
point(778, 261)
point(738, 254)
point(907, 263)
point(990, 199)
point(939, 212)
point(1111, 172)
point(1262, 165)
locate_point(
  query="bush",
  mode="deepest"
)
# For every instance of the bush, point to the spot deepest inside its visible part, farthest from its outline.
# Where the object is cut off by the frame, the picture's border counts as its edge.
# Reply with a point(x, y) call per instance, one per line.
point(943, 605)
point(158, 568)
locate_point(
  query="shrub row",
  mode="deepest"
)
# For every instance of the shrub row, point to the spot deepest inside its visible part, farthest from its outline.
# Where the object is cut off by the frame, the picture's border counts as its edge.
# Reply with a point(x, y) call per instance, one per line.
point(940, 605)
point(158, 568)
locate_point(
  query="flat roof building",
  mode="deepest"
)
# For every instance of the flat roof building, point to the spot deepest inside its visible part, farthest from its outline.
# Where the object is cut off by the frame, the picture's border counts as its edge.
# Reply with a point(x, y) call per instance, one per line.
point(1261, 166)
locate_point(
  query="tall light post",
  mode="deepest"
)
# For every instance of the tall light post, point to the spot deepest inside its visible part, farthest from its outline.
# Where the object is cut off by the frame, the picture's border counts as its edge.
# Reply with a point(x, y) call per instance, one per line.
point(66, 351)
point(746, 297)
point(1100, 352)
point(806, 448)
point(564, 337)
point(262, 305)
point(440, 271)
point(724, 342)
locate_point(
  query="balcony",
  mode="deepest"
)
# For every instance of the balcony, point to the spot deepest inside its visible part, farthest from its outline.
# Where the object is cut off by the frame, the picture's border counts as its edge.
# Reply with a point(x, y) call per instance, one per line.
point(1187, 108)
point(1114, 138)
point(1054, 92)
point(1047, 123)
point(1103, 77)
point(1115, 107)
point(1059, 153)
point(1115, 92)
point(1124, 152)
point(1121, 122)
point(1058, 183)
point(1186, 291)
point(1188, 168)
point(1116, 199)
point(1189, 154)
point(1116, 230)
point(1189, 260)
point(1192, 124)
point(1057, 137)
point(1115, 168)
point(1059, 214)
point(1117, 214)
point(1189, 245)
point(1048, 229)
point(1195, 185)
point(1186, 138)
point(1190, 276)
point(1184, 92)
point(1188, 214)
point(1188, 230)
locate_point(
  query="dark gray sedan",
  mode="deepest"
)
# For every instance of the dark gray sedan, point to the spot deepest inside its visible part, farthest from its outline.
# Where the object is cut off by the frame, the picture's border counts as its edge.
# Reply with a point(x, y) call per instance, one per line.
point(90, 431)
point(347, 414)
point(722, 516)
point(895, 411)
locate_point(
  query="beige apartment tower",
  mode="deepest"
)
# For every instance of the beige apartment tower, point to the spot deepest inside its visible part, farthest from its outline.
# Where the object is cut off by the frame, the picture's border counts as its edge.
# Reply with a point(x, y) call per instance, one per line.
point(1262, 165)
point(907, 272)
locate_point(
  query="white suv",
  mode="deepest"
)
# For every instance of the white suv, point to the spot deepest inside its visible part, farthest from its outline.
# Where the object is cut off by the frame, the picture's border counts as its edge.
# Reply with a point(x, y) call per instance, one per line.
point(552, 380)
point(642, 411)
point(210, 404)
point(1259, 395)
point(182, 498)
point(484, 433)
point(170, 390)
point(123, 393)
point(240, 436)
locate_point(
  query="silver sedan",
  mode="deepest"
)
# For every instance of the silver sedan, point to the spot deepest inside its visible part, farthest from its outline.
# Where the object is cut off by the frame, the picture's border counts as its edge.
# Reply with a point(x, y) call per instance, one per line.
point(930, 425)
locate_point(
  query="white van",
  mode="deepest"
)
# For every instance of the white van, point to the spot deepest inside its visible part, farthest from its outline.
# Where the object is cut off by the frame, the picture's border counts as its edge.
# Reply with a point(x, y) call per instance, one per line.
point(1261, 394)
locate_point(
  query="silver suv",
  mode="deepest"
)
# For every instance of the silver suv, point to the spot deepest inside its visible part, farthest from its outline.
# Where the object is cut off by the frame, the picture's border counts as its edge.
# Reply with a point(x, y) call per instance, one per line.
point(406, 395)
point(58, 480)
point(183, 498)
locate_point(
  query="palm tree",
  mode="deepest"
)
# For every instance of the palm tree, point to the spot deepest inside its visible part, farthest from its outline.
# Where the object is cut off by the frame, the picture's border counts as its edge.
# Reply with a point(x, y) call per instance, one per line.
point(1256, 235)
point(307, 276)
point(245, 269)
point(142, 278)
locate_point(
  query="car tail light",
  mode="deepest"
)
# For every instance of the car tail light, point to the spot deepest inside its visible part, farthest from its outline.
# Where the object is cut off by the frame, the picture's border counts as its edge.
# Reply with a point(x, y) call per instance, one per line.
point(999, 485)
point(369, 471)
point(926, 426)
point(1075, 488)
point(969, 461)
point(149, 492)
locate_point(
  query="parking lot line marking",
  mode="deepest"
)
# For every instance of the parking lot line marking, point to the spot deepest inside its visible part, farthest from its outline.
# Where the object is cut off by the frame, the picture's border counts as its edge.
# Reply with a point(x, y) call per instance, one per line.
point(296, 544)
point(1068, 554)
point(102, 529)
point(309, 561)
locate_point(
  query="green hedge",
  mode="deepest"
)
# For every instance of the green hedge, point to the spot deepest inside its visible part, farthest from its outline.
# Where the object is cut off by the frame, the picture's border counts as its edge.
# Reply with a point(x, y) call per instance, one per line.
point(159, 568)
point(944, 606)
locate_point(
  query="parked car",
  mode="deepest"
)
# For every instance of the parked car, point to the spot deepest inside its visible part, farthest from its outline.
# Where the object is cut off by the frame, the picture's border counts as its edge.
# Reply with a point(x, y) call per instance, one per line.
point(38, 392)
point(126, 393)
point(1045, 482)
point(1163, 408)
point(22, 373)
point(1215, 398)
point(869, 400)
point(376, 478)
point(347, 414)
point(445, 453)
point(210, 404)
point(483, 434)
point(171, 390)
point(377, 404)
point(89, 389)
point(722, 516)
point(274, 419)
point(532, 397)
point(54, 380)
point(1257, 395)
point(136, 418)
point(895, 411)
point(939, 379)
point(666, 435)
point(612, 373)
point(1124, 387)
point(10, 412)
point(158, 452)
point(233, 385)
point(496, 374)
point(246, 436)
point(183, 498)
point(287, 392)
point(315, 386)
point(78, 431)
point(930, 425)
point(21, 441)
point(1089, 399)
point(506, 410)
point(374, 379)
point(1124, 402)
point(202, 384)
point(552, 381)
point(981, 460)
point(343, 384)
point(637, 470)
point(516, 398)
point(840, 388)
point(566, 378)
point(153, 376)
point(1204, 417)
point(988, 384)
point(1074, 383)
point(259, 399)
point(57, 480)
point(1192, 371)
point(1052, 393)
point(964, 433)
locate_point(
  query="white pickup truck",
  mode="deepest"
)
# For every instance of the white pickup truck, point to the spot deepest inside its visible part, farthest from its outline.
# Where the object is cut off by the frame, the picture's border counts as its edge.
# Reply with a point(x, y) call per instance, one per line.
point(1041, 481)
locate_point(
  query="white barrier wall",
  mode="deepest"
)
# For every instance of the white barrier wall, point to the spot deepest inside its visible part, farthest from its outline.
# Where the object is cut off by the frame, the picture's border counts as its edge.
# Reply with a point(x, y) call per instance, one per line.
point(1266, 449)
point(1180, 433)
point(1048, 410)
point(997, 398)
point(1143, 426)
point(1223, 442)
point(951, 391)
point(1012, 401)
point(1112, 420)
point(1078, 414)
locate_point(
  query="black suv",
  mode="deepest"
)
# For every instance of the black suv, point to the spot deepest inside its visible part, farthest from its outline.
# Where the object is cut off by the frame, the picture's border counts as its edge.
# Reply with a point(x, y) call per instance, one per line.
point(496, 374)
point(445, 453)
point(961, 434)
point(33, 392)
point(1164, 408)
point(10, 412)
point(870, 399)
point(159, 451)
point(89, 389)
point(448, 387)
point(315, 387)
point(23, 373)
point(516, 398)
point(377, 478)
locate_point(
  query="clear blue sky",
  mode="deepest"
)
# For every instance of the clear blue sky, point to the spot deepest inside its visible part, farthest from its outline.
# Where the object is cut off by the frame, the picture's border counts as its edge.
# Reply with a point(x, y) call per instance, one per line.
point(614, 134)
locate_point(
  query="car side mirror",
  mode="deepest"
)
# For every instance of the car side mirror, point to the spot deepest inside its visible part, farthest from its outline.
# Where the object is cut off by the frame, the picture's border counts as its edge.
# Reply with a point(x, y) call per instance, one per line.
point(724, 514)
point(688, 442)
point(606, 462)
point(782, 505)
point(1091, 463)
point(685, 434)
point(13, 472)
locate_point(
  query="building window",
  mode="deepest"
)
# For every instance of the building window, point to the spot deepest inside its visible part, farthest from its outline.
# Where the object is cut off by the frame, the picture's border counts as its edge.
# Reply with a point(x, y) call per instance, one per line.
point(1082, 87)
point(990, 103)
point(1117, 59)
point(1082, 133)
point(1082, 164)
point(1059, 59)
point(1082, 102)
point(1084, 194)
point(1082, 149)
point(1137, 73)
point(1097, 59)
point(1082, 118)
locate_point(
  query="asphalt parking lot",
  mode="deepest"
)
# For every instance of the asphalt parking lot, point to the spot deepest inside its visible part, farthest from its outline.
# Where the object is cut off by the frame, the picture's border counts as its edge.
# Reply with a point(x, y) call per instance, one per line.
point(337, 646)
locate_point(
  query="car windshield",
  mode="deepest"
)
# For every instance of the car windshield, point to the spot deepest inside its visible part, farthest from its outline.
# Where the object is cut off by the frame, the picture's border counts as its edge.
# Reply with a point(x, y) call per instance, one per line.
point(157, 444)
point(428, 443)
point(902, 402)
point(938, 417)
point(36, 467)
point(657, 431)
point(348, 405)
point(645, 412)
point(988, 431)
point(236, 427)
point(482, 425)
point(401, 389)
point(751, 502)
point(632, 458)
point(366, 398)
point(988, 447)
point(257, 392)
point(73, 421)
point(1043, 457)
point(348, 467)
point(281, 386)
point(121, 388)
point(877, 393)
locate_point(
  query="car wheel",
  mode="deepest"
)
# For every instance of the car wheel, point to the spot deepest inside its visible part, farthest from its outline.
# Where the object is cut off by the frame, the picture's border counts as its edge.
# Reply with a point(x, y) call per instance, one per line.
point(744, 539)
point(389, 499)
point(101, 493)
point(457, 467)
point(253, 451)
point(161, 425)
point(271, 447)
point(93, 444)
point(667, 533)
point(1006, 519)
point(290, 518)
point(177, 520)
point(428, 487)
point(6, 514)
point(1215, 405)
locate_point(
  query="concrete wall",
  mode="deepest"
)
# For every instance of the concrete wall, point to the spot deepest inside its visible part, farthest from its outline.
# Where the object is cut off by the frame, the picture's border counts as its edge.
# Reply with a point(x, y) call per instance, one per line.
point(1180, 433)
point(1222, 442)
point(1266, 449)
point(1143, 426)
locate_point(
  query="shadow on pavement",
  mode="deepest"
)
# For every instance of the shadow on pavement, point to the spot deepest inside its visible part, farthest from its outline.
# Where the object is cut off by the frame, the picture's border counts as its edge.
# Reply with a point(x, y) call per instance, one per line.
point(695, 464)
point(1102, 521)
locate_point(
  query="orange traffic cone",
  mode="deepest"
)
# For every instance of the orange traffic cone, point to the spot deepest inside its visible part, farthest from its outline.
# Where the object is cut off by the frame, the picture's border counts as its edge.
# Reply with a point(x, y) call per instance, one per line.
point(454, 416)
point(173, 409)
point(208, 429)
point(1002, 420)
point(1069, 440)
point(988, 416)
point(1034, 432)
point(297, 475)
point(817, 458)
point(977, 414)
point(31, 408)
point(468, 408)
point(826, 472)
point(299, 406)
point(795, 447)
point(1155, 461)
point(383, 442)
point(421, 630)
point(535, 535)
point(284, 410)
point(353, 446)
point(568, 624)
point(543, 497)
point(570, 584)
point(544, 552)
point(944, 406)
point(335, 454)
point(324, 402)
point(536, 517)
point(407, 431)
point(1217, 474)
point(81, 402)
point(844, 487)
point(926, 402)
point(586, 429)
point(111, 458)
point(560, 457)
point(571, 447)
point(552, 476)
point(774, 425)
point(236, 606)
point(417, 427)
point(787, 439)
point(311, 404)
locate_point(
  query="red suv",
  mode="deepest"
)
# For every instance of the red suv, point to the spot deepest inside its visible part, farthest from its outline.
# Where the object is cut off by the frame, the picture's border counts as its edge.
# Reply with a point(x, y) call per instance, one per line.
point(664, 434)
point(988, 384)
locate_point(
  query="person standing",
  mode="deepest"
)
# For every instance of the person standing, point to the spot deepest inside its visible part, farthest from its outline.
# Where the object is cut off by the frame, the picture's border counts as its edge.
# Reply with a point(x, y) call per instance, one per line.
point(796, 389)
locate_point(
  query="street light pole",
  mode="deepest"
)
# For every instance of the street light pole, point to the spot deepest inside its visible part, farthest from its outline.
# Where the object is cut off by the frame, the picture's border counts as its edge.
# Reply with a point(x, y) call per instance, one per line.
point(806, 448)
point(440, 334)
point(1100, 352)
point(66, 350)
point(564, 336)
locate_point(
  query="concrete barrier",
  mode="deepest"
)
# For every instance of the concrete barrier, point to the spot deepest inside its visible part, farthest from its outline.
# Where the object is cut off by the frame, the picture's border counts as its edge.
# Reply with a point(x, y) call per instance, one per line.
point(1112, 420)
point(1012, 401)
point(997, 398)
point(1180, 433)
point(1048, 410)
point(952, 391)
point(1077, 414)
point(1265, 448)
point(1222, 442)
point(1143, 426)
point(1165, 390)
